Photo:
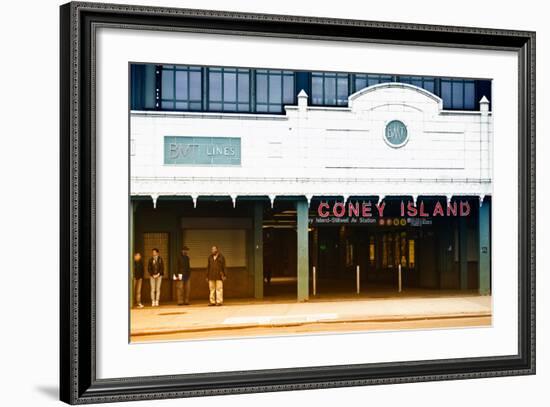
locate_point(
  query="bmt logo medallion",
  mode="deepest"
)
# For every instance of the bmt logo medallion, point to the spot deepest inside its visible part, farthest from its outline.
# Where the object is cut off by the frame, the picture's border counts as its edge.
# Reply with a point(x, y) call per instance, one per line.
point(396, 134)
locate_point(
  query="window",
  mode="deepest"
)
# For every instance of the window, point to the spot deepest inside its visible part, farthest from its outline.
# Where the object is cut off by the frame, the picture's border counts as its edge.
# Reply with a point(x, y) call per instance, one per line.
point(458, 94)
point(424, 82)
point(361, 81)
point(274, 89)
point(181, 87)
point(229, 90)
point(249, 90)
point(329, 89)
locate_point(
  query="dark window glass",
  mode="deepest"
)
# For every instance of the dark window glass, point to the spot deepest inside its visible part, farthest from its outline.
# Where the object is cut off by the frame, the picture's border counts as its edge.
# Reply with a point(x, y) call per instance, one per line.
point(195, 85)
point(373, 80)
point(329, 89)
point(317, 90)
point(181, 87)
point(261, 88)
point(288, 88)
point(458, 94)
point(429, 85)
point(167, 84)
point(342, 90)
point(361, 80)
point(229, 89)
point(167, 105)
point(424, 82)
point(215, 85)
point(446, 93)
point(244, 88)
point(469, 95)
point(274, 88)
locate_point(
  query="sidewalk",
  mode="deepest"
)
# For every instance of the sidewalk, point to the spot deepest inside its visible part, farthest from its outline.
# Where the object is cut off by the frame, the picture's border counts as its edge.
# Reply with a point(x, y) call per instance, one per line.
point(238, 315)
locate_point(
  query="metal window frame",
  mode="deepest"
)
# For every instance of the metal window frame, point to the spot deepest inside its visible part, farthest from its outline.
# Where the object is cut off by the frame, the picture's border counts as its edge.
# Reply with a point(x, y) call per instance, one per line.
point(237, 71)
point(174, 100)
point(463, 84)
point(269, 73)
point(285, 73)
point(323, 75)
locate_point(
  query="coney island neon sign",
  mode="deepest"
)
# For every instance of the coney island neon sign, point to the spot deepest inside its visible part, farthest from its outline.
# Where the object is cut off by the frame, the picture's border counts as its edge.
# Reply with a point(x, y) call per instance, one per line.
point(407, 208)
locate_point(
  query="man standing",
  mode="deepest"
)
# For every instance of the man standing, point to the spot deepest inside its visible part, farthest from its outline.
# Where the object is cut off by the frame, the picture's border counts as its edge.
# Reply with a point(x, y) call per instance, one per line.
point(215, 275)
point(156, 271)
point(183, 278)
point(138, 278)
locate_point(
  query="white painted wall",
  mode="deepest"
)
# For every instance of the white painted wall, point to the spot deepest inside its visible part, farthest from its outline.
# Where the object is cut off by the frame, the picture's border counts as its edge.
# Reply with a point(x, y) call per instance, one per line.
point(324, 151)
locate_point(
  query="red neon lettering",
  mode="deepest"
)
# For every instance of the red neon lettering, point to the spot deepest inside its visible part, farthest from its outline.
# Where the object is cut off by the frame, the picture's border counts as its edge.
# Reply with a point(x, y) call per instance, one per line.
point(464, 208)
point(438, 210)
point(339, 209)
point(321, 209)
point(353, 209)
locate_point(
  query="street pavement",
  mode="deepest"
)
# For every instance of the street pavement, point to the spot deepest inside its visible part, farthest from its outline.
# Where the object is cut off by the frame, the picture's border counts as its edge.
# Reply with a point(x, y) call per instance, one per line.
point(237, 318)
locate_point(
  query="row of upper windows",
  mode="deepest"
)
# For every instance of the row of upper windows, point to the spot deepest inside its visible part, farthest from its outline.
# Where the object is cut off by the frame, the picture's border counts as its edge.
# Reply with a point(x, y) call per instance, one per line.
point(220, 89)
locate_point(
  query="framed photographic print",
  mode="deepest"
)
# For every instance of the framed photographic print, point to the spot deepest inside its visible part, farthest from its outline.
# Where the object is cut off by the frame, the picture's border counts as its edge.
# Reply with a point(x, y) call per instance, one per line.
point(267, 202)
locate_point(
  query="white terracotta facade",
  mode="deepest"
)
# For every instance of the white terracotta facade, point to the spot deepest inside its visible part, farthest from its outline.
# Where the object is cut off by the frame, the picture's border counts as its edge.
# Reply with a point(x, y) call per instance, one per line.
point(321, 151)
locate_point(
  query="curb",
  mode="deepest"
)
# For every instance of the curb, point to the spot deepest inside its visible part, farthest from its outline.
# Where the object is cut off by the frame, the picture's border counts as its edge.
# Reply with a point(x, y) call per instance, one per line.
point(391, 318)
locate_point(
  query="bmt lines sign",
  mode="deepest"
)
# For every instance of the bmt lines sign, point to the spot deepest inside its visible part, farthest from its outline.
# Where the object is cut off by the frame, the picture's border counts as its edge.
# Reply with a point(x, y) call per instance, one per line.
point(202, 150)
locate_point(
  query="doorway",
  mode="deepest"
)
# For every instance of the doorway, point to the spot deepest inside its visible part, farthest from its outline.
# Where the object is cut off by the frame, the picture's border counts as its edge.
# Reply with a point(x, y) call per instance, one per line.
point(280, 262)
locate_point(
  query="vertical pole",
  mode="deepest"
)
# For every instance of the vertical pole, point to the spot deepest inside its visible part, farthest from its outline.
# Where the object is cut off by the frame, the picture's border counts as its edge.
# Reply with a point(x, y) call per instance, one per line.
point(463, 252)
point(399, 280)
point(314, 281)
point(258, 244)
point(485, 247)
point(303, 252)
point(358, 279)
point(131, 250)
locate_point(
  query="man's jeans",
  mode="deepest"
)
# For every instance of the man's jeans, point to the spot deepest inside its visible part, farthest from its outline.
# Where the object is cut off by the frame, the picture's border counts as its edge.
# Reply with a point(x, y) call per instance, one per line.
point(216, 291)
point(183, 291)
point(155, 288)
point(138, 282)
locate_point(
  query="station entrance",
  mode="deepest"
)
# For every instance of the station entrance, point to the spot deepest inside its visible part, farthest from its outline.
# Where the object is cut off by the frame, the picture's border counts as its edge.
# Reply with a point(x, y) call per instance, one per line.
point(288, 250)
point(432, 244)
point(280, 251)
point(374, 255)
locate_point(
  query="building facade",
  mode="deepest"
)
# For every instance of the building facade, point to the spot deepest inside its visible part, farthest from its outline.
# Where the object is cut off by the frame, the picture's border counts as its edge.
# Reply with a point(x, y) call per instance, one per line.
point(355, 176)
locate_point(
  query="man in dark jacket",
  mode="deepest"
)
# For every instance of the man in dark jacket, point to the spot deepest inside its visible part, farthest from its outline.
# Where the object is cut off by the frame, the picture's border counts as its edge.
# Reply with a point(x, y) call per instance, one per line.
point(155, 267)
point(183, 278)
point(215, 275)
point(138, 278)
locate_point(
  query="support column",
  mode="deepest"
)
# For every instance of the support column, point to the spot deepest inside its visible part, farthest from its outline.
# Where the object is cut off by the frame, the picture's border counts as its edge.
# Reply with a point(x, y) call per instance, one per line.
point(485, 247)
point(258, 244)
point(302, 215)
point(132, 249)
point(463, 252)
point(444, 240)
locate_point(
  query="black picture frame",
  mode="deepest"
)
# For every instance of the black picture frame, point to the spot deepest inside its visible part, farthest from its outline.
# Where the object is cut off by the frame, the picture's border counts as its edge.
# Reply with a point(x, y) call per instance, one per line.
point(78, 382)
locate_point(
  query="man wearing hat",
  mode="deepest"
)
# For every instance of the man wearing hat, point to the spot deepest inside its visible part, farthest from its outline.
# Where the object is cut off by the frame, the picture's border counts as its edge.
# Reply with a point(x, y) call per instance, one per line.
point(183, 278)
